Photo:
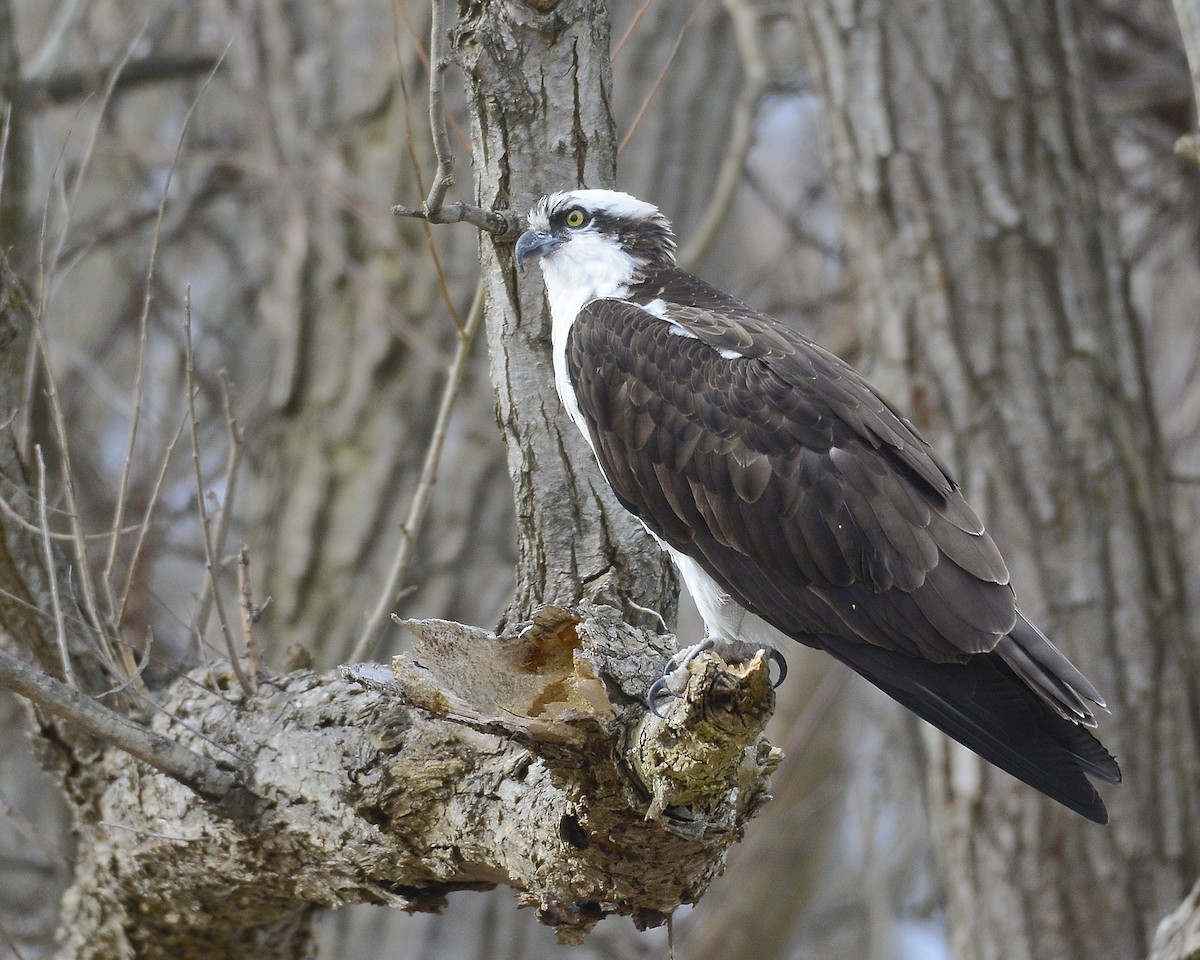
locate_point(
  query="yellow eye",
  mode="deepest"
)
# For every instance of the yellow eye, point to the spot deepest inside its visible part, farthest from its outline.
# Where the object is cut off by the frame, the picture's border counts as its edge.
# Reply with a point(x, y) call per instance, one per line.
point(575, 217)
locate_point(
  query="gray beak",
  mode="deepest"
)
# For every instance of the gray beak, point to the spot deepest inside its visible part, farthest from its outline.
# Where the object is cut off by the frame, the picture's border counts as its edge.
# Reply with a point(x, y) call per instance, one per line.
point(535, 244)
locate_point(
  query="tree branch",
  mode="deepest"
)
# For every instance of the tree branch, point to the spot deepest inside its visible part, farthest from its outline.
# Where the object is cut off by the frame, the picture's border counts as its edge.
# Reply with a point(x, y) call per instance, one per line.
point(68, 85)
point(483, 760)
point(503, 224)
point(1188, 14)
point(194, 771)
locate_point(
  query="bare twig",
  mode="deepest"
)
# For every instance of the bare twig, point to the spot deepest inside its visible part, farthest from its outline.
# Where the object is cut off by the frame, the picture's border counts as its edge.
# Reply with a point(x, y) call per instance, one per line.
point(437, 261)
point(250, 616)
point(71, 84)
point(418, 44)
point(11, 512)
point(429, 471)
point(135, 678)
point(84, 163)
point(443, 178)
point(745, 17)
point(210, 564)
point(144, 527)
point(139, 379)
point(506, 224)
point(637, 18)
point(662, 75)
point(232, 463)
point(60, 626)
point(173, 759)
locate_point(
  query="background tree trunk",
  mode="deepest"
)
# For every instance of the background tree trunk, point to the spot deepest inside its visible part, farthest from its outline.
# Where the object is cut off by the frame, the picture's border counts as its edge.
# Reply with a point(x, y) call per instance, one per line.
point(977, 199)
point(328, 315)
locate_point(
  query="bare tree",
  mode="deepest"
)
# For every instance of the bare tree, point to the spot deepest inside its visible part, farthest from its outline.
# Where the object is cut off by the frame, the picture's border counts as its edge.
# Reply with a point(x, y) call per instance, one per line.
point(351, 445)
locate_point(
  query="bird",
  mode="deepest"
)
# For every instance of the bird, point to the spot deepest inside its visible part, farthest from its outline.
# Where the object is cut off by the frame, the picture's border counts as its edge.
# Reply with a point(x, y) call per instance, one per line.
point(795, 501)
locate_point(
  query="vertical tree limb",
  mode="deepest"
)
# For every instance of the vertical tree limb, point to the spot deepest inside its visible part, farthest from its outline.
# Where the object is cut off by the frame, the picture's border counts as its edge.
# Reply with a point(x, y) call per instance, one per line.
point(539, 84)
point(971, 170)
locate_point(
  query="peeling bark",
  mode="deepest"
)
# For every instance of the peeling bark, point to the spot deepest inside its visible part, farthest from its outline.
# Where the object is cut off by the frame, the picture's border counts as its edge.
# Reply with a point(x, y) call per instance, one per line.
point(397, 786)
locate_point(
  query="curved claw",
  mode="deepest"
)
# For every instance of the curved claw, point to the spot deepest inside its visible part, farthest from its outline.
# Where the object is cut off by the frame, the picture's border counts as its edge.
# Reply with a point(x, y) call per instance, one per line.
point(678, 662)
point(656, 688)
point(780, 661)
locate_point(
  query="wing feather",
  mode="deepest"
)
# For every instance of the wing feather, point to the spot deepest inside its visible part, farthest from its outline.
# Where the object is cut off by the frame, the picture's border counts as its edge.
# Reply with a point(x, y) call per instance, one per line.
point(817, 507)
point(786, 466)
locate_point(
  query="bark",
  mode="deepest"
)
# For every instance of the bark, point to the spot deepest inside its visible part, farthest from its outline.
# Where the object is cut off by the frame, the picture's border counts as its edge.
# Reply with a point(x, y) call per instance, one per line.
point(527, 760)
point(979, 220)
point(539, 86)
point(13, 162)
point(340, 399)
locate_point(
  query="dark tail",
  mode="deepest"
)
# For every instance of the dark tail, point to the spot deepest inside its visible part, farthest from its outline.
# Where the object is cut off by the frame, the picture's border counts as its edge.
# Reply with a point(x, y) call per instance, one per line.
point(1012, 716)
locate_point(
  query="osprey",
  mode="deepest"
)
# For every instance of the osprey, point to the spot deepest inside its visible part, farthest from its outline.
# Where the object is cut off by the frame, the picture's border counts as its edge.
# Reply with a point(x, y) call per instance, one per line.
point(794, 499)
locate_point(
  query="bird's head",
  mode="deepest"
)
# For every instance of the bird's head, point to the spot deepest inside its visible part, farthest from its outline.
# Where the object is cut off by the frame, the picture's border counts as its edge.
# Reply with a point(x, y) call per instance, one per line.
point(595, 240)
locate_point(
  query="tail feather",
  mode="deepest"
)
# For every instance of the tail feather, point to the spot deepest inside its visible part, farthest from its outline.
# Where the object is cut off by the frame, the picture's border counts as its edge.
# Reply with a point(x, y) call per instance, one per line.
point(986, 705)
point(1048, 673)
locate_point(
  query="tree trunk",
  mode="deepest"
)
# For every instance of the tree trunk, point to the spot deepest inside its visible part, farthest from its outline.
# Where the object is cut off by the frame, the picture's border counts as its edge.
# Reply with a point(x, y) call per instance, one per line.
point(539, 88)
point(979, 221)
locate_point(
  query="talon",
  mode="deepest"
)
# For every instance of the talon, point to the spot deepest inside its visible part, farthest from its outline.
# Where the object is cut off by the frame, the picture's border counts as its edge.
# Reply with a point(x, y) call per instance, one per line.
point(678, 662)
point(780, 661)
point(656, 688)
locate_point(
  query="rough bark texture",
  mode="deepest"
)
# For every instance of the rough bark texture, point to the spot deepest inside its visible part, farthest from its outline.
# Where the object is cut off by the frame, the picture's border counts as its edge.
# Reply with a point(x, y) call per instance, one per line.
point(539, 83)
point(491, 761)
point(975, 188)
point(14, 162)
point(340, 402)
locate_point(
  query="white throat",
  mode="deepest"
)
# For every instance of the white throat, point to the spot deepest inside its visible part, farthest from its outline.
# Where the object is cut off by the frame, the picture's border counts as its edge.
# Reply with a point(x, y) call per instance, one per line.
point(585, 268)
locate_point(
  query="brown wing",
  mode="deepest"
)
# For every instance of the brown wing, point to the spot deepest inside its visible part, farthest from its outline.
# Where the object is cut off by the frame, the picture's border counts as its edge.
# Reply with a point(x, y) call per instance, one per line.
point(816, 506)
point(787, 477)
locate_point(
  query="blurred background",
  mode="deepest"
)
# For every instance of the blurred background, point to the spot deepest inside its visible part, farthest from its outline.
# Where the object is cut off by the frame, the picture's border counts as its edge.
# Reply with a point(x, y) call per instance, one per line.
point(323, 325)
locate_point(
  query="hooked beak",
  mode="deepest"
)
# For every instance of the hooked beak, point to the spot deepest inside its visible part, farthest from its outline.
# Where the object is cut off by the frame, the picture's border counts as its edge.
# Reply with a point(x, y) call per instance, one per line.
point(535, 244)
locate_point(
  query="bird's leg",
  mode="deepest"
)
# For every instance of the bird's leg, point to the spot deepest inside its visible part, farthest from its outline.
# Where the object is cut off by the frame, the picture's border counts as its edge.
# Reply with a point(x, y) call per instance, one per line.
point(675, 671)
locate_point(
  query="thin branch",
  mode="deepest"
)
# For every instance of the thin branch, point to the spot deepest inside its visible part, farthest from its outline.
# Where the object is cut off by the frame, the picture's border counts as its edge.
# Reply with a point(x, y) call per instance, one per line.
point(84, 164)
point(72, 84)
point(662, 75)
point(135, 678)
point(377, 619)
point(91, 604)
point(443, 178)
point(637, 18)
point(114, 543)
point(418, 44)
point(745, 18)
point(250, 616)
point(410, 139)
point(210, 564)
point(11, 512)
point(60, 626)
point(144, 526)
point(505, 224)
point(201, 774)
point(232, 463)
